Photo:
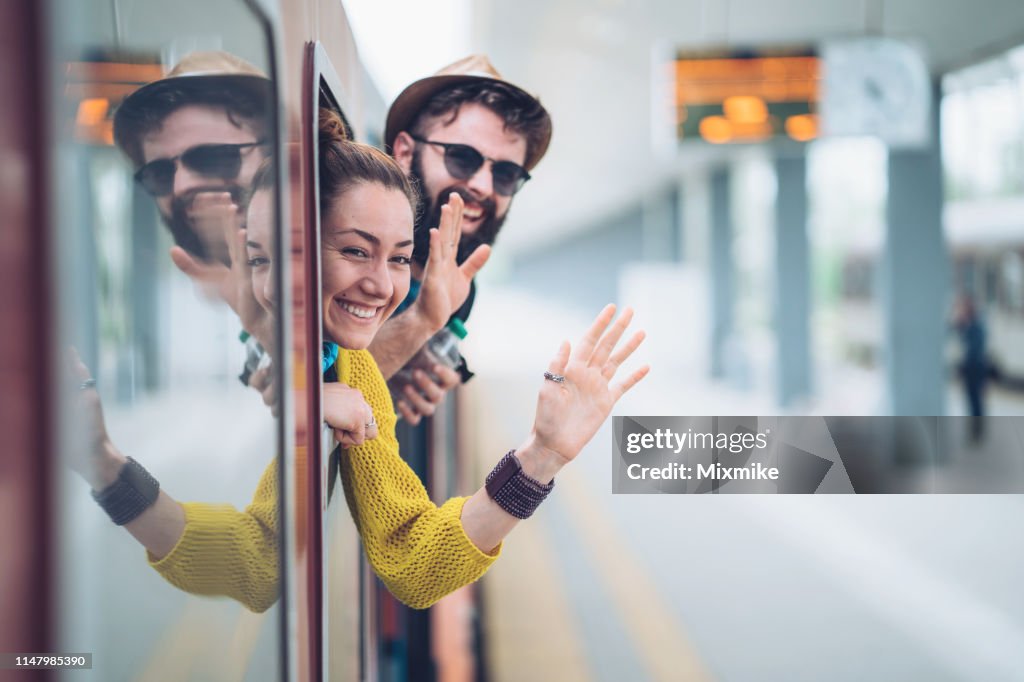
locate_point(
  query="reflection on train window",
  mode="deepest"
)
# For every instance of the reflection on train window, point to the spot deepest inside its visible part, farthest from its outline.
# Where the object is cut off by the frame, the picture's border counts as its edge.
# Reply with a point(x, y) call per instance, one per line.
point(166, 368)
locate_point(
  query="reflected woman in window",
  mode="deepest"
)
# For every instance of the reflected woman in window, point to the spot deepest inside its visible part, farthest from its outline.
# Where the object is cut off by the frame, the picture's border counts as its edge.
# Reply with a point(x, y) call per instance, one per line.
point(420, 551)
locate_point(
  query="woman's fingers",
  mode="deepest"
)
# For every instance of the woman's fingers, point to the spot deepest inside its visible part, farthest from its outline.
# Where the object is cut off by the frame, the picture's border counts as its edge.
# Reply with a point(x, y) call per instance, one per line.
point(620, 355)
point(619, 389)
point(361, 418)
point(586, 346)
point(561, 359)
point(346, 438)
point(610, 339)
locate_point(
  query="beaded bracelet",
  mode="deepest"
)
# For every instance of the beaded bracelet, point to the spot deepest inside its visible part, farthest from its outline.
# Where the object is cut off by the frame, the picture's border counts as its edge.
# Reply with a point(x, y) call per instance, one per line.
point(514, 491)
point(134, 491)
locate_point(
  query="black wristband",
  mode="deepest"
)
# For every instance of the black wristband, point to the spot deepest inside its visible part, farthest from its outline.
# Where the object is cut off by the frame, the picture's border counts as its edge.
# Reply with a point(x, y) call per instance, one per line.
point(134, 491)
point(514, 491)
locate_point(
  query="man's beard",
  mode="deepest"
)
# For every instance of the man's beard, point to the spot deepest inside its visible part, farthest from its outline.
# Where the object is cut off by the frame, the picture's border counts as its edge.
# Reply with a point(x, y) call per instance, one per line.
point(486, 232)
point(211, 246)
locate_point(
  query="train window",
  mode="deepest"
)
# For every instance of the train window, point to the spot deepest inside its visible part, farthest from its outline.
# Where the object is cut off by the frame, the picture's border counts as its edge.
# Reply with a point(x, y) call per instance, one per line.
point(347, 626)
point(164, 243)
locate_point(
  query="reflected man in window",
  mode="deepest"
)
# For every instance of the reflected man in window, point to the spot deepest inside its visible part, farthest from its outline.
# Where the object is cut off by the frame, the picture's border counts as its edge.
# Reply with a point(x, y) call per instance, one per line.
point(196, 139)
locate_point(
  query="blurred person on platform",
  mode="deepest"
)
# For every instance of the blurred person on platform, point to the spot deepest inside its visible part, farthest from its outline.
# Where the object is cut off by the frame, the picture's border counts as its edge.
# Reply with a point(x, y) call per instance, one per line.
point(974, 366)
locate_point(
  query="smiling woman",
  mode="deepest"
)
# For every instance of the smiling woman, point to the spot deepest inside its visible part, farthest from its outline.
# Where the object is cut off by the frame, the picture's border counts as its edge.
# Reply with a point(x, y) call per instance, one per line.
point(368, 206)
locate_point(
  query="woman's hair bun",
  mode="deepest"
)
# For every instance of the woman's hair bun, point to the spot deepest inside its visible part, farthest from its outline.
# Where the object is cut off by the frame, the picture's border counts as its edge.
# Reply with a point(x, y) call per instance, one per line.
point(332, 127)
point(344, 164)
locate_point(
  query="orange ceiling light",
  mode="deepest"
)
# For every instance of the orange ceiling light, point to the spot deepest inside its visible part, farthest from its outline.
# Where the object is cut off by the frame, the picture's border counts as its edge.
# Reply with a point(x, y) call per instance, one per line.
point(96, 88)
point(743, 96)
point(802, 127)
point(744, 109)
point(716, 129)
point(92, 111)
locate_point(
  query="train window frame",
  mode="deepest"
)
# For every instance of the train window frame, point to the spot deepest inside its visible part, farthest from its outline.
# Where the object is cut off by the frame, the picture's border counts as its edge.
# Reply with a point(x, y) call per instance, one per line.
point(282, 371)
point(323, 87)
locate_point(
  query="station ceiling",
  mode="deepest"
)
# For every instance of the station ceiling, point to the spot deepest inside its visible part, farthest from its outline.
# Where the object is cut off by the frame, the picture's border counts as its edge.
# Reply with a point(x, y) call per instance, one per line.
point(591, 63)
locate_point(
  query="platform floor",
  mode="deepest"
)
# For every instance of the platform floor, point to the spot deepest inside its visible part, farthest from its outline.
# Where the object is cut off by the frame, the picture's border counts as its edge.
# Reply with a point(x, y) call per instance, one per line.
point(740, 588)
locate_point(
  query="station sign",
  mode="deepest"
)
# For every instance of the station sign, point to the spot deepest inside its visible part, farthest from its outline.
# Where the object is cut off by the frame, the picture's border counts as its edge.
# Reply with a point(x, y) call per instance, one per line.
point(746, 96)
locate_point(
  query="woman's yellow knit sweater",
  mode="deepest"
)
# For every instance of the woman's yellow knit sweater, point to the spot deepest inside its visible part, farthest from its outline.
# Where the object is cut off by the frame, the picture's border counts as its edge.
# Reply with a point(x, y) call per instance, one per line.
point(420, 551)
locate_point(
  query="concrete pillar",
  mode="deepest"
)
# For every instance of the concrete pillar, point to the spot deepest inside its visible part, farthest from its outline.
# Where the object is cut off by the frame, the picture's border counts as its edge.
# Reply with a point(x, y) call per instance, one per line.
point(659, 224)
point(792, 280)
point(722, 286)
point(915, 280)
point(681, 232)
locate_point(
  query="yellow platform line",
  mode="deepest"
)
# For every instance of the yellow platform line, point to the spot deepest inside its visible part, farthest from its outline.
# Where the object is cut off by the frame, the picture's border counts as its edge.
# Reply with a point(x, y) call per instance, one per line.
point(175, 655)
point(202, 642)
point(244, 635)
point(531, 632)
point(656, 634)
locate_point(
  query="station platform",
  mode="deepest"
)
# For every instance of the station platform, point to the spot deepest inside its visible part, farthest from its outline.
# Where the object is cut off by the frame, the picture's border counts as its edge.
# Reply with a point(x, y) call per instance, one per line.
point(716, 587)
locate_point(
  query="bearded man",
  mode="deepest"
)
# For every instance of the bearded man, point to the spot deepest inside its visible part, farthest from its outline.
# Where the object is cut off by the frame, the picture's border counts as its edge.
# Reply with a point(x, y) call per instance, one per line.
point(468, 131)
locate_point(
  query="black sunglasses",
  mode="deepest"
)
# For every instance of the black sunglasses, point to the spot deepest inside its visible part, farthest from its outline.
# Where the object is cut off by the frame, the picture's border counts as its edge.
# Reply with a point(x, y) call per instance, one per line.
point(220, 161)
point(463, 161)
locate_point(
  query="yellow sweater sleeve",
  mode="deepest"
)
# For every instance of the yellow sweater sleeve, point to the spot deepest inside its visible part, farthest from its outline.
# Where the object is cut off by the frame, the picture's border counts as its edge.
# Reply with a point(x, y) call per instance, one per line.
point(420, 551)
point(227, 552)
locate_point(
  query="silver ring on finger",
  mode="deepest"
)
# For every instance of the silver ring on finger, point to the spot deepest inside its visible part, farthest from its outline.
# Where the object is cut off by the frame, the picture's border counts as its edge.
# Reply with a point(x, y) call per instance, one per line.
point(557, 378)
point(88, 383)
point(372, 422)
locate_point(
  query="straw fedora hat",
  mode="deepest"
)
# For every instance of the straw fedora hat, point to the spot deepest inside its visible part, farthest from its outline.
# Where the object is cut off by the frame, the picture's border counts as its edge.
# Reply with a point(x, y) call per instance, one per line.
point(197, 72)
point(471, 69)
